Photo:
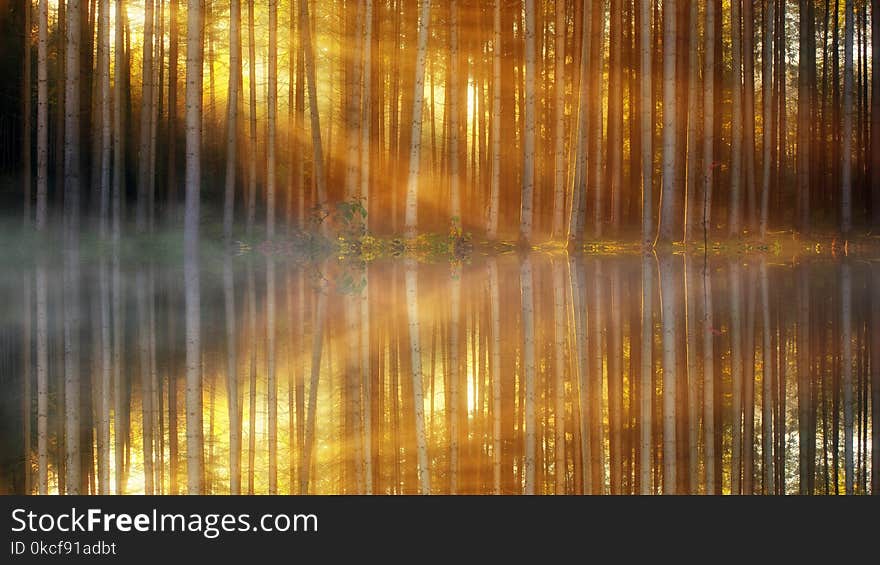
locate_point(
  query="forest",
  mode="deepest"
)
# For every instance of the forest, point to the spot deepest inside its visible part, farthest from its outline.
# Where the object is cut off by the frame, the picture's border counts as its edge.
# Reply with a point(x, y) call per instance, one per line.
point(519, 120)
point(469, 246)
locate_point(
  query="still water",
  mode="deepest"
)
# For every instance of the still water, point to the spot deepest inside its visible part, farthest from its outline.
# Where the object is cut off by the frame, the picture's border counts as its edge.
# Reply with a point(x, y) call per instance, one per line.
point(542, 373)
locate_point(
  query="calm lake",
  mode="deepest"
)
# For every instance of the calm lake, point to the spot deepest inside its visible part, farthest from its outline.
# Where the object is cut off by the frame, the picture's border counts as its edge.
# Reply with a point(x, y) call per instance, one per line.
point(542, 373)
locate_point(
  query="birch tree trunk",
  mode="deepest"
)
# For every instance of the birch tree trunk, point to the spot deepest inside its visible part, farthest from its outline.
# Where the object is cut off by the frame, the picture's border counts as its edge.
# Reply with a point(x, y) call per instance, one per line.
point(42, 113)
point(736, 132)
point(708, 118)
point(529, 369)
point(693, 157)
point(412, 310)
point(666, 231)
point(528, 182)
point(305, 32)
point(146, 120)
point(669, 311)
point(766, 92)
point(412, 183)
point(495, 372)
point(454, 112)
point(646, 374)
point(495, 183)
point(848, 109)
point(272, 118)
point(191, 248)
point(367, 112)
point(232, 118)
point(42, 374)
point(559, 126)
point(646, 120)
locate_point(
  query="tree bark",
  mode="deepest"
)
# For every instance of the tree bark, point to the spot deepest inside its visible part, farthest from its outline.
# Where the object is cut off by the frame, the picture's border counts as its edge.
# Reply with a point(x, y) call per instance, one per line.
point(232, 118)
point(528, 182)
point(666, 231)
point(191, 248)
point(846, 148)
point(412, 183)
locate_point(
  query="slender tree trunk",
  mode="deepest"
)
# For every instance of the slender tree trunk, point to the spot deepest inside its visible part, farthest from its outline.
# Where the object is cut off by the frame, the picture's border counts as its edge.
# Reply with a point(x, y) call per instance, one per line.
point(118, 123)
point(693, 177)
point(367, 114)
point(412, 309)
point(26, 128)
point(615, 115)
point(708, 118)
point(561, 362)
point(669, 306)
point(42, 375)
point(708, 382)
point(528, 183)
point(846, 147)
point(72, 115)
point(666, 231)
point(412, 183)
point(272, 118)
point(42, 114)
point(495, 373)
point(305, 32)
point(454, 112)
point(736, 132)
point(846, 358)
point(874, 169)
point(646, 96)
point(146, 121)
point(766, 93)
point(749, 111)
point(271, 381)
point(804, 120)
point(529, 369)
point(767, 367)
point(559, 126)
point(495, 184)
point(646, 372)
point(232, 118)
point(104, 96)
point(252, 143)
point(191, 248)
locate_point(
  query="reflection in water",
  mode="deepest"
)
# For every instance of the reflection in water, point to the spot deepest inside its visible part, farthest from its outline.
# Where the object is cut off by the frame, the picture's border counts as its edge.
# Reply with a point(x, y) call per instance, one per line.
point(535, 374)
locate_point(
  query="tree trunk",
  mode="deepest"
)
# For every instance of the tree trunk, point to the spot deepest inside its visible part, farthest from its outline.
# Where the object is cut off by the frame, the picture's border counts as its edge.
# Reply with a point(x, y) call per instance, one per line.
point(766, 93)
point(412, 309)
point(561, 363)
point(495, 372)
point(749, 111)
point(146, 121)
point(669, 300)
point(191, 248)
point(305, 32)
point(708, 118)
point(412, 183)
point(736, 129)
point(42, 371)
point(666, 231)
point(693, 157)
point(529, 369)
point(528, 182)
point(232, 397)
point(42, 114)
point(232, 118)
point(874, 169)
point(367, 113)
point(118, 124)
point(454, 112)
point(646, 371)
point(559, 126)
point(846, 142)
point(495, 184)
point(26, 177)
point(72, 115)
point(252, 143)
point(804, 111)
point(615, 116)
point(846, 357)
point(646, 117)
